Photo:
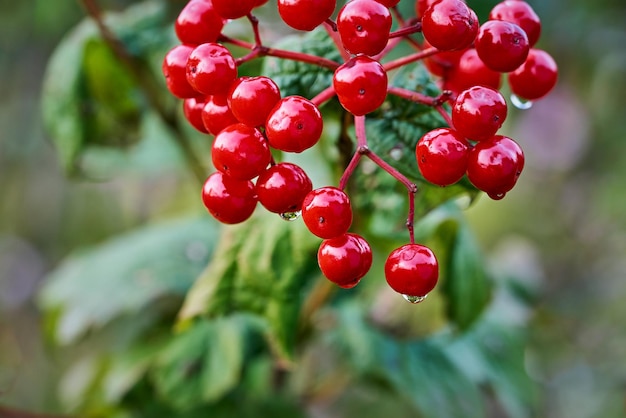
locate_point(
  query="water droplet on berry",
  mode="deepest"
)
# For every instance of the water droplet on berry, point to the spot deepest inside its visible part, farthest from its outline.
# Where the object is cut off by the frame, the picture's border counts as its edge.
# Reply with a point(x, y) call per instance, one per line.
point(290, 216)
point(497, 196)
point(414, 299)
point(521, 104)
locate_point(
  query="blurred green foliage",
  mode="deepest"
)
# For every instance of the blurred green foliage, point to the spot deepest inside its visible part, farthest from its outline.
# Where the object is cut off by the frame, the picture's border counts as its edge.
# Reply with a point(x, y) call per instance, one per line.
point(530, 327)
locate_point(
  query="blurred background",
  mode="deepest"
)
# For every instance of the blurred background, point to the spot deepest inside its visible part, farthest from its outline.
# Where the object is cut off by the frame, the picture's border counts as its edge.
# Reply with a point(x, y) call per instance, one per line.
point(564, 226)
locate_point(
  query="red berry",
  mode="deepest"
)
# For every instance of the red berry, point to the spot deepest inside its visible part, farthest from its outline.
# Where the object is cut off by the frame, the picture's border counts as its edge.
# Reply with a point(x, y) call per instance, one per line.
point(240, 152)
point(216, 114)
point(361, 85)
point(211, 69)
point(520, 13)
point(282, 188)
point(252, 98)
point(502, 46)
point(305, 14)
point(174, 69)
point(479, 112)
point(536, 77)
point(422, 5)
point(495, 165)
point(294, 124)
point(364, 26)
point(229, 200)
point(471, 71)
point(345, 259)
point(233, 9)
point(412, 270)
point(449, 24)
point(442, 156)
point(327, 212)
point(192, 109)
point(198, 23)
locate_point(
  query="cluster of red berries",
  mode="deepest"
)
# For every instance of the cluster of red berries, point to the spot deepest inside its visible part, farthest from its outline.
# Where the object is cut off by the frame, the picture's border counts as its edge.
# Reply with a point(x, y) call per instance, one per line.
point(249, 118)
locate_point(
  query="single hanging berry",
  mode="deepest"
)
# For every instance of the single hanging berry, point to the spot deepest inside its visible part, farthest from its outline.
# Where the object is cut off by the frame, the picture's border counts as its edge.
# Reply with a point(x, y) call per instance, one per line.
point(479, 112)
point(327, 212)
point(305, 14)
point(174, 69)
point(251, 99)
point(229, 200)
point(282, 188)
point(520, 13)
point(361, 85)
point(364, 26)
point(449, 25)
point(502, 46)
point(211, 69)
point(536, 77)
point(241, 152)
point(198, 23)
point(412, 270)
point(442, 156)
point(295, 124)
point(345, 259)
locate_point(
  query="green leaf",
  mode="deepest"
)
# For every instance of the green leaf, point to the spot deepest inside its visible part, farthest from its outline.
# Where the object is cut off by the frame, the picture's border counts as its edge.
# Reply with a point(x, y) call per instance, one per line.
point(89, 98)
point(126, 274)
point(465, 283)
point(261, 266)
point(206, 361)
point(417, 370)
point(297, 78)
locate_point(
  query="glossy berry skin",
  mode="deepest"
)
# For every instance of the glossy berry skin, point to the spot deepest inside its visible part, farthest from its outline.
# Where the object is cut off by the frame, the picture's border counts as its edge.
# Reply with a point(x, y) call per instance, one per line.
point(327, 212)
point(192, 109)
point(442, 156)
point(345, 259)
point(233, 9)
point(520, 13)
point(361, 85)
point(282, 188)
point(216, 114)
point(174, 70)
point(364, 26)
point(294, 124)
point(412, 270)
point(502, 46)
point(305, 14)
point(495, 165)
point(471, 71)
point(229, 200)
point(479, 112)
point(449, 25)
point(198, 23)
point(211, 69)
point(252, 98)
point(536, 77)
point(422, 5)
point(240, 152)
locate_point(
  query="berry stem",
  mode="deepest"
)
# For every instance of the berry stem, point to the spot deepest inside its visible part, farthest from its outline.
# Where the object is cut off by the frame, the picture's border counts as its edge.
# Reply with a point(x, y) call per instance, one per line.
point(324, 96)
point(255, 28)
point(410, 220)
point(356, 158)
point(331, 29)
point(410, 58)
point(417, 97)
point(147, 83)
point(445, 115)
point(405, 31)
point(262, 51)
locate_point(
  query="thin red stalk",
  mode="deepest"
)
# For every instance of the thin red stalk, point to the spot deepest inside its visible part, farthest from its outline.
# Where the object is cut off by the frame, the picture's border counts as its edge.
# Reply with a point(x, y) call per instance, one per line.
point(331, 29)
point(324, 96)
point(236, 42)
point(445, 115)
point(255, 29)
point(410, 58)
point(408, 30)
point(347, 173)
point(361, 135)
point(410, 220)
point(417, 97)
point(410, 186)
point(301, 57)
point(255, 53)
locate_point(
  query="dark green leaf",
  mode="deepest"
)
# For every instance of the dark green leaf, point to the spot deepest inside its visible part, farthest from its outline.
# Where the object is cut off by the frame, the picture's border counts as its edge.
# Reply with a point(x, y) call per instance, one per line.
point(89, 98)
point(206, 361)
point(417, 370)
point(297, 78)
point(127, 274)
point(261, 266)
point(465, 283)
